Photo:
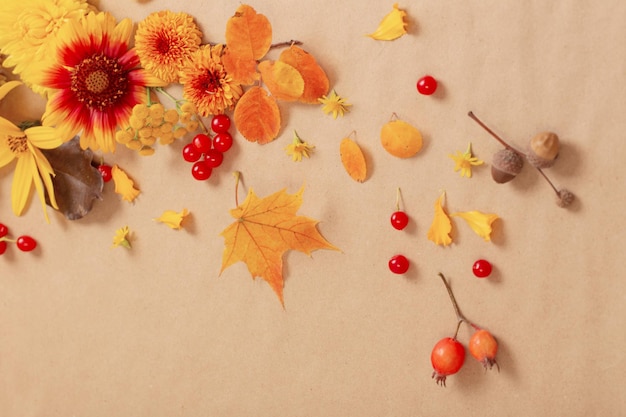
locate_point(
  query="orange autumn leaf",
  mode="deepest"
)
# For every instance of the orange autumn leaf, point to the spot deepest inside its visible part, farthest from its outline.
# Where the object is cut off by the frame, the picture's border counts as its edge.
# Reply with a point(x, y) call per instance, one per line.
point(266, 228)
point(316, 82)
point(257, 116)
point(283, 80)
point(248, 38)
point(439, 232)
point(353, 159)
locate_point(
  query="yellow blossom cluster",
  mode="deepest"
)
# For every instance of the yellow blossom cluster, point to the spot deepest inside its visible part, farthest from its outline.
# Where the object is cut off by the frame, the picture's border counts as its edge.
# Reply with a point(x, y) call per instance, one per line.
point(151, 123)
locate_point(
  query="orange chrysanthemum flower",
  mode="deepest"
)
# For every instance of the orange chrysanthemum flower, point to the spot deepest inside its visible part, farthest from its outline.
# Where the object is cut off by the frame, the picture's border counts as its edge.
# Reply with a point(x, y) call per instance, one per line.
point(206, 83)
point(165, 42)
point(96, 80)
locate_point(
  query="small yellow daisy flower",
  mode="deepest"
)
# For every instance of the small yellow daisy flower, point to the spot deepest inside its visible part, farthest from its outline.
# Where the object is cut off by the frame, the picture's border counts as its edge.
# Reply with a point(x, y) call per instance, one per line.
point(121, 238)
point(334, 104)
point(465, 161)
point(298, 148)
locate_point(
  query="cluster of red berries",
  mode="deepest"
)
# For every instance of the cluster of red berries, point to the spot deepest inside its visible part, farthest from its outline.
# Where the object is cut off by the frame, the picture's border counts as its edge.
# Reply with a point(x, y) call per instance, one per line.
point(207, 153)
point(24, 243)
point(399, 264)
point(448, 355)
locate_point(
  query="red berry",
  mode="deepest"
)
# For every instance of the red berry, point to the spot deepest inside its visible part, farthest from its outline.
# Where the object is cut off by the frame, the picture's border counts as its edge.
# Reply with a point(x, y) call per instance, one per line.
point(482, 268)
point(202, 142)
point(201, 171)
point(3, 230)
point(220, 123)
point(222, 141)
point(106, 171)
point(26, 243)
point(483, 347)
point(191, 153)
point(399, 264)
point(3, 247)
point(426, 85)
point(399, 220)
point(447, 358)
point(213, 158)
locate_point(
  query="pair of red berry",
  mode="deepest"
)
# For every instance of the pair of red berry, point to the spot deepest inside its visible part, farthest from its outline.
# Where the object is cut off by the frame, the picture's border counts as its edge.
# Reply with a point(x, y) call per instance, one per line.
point(207, 153)
point(24, 243)
point(399, 264)
point(448, 354)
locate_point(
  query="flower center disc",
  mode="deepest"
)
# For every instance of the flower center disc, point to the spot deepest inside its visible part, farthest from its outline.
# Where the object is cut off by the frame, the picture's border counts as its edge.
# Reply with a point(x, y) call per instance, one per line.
point(17, 144)
point(99, 82)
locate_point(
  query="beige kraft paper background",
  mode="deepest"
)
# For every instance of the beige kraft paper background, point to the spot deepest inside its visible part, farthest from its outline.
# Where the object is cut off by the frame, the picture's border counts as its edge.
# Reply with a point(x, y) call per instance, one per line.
point(90, 331)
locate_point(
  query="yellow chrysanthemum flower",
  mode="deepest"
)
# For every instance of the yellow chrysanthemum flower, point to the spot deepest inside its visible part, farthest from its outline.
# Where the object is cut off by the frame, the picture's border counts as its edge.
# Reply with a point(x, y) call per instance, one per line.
point(32, 167)
point(165, 42)
point(465, 161)
point(298, 148)
point(28, 31)
point(334, 104)
point(121, 238)
point(206, 83)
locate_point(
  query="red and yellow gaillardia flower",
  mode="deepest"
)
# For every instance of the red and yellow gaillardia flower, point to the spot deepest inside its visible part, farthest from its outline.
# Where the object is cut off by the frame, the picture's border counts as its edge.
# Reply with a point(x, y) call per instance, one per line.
point(97, 80)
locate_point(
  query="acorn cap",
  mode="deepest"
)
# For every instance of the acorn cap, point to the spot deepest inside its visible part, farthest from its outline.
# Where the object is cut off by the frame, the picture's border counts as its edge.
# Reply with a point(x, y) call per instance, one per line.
point(506, 164)
point(543, 149)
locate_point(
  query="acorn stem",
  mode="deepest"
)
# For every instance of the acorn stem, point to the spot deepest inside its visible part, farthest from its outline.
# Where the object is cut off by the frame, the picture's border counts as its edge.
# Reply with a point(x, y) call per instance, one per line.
point(543, 174)
point(492, 133)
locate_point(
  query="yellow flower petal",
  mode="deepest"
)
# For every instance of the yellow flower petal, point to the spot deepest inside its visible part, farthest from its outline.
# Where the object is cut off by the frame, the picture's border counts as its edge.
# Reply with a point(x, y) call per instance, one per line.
point(440, 229)
point(22, 183)
point(479, 222)
point(121, 238)
point(392, 26)
point(124, 185)
point(6, 87)
point(172, 218)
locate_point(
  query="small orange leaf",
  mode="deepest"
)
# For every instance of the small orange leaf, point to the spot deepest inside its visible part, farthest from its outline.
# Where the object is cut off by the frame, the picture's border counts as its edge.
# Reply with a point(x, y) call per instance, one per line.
point(248, 38)
point(316, 82)
point(401, 139)
point(353, 159)
point(266, 228)
point(257, 116)
point(283, 80)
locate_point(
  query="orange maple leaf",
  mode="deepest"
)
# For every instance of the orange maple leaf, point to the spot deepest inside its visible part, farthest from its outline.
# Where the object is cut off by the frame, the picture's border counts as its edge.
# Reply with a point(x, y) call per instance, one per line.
point(266, 228)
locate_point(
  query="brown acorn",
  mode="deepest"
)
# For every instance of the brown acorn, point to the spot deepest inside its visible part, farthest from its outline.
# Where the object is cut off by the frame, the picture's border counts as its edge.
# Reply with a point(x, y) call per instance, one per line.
point(543, 149)
point(506, 164)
